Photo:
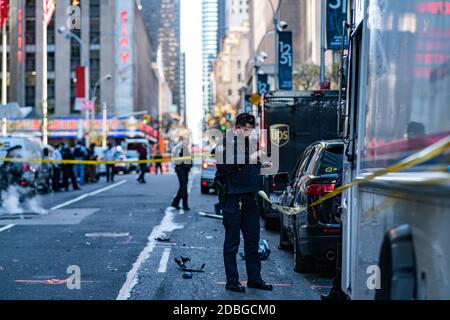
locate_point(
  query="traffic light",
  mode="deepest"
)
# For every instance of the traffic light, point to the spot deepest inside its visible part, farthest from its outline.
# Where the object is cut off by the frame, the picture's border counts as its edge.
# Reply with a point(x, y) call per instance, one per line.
point(223, 128)
point(147, 119)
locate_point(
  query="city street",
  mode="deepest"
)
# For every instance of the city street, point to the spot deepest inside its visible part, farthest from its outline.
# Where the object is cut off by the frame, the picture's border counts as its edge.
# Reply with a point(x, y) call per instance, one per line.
point(109, 231)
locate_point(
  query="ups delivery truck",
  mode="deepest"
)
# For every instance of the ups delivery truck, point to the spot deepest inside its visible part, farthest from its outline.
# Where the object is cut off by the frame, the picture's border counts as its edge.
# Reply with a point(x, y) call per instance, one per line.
point(293, 120)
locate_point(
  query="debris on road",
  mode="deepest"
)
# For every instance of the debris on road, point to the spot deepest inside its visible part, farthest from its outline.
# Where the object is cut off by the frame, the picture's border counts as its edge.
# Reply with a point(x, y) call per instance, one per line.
point(182, 262)
point(264, 251)
point(187, 275)
point(163, 239)
point(210, 215)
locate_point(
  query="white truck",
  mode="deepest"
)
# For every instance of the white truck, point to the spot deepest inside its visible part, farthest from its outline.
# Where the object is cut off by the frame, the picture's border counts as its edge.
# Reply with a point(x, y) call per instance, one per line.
point(396, 227)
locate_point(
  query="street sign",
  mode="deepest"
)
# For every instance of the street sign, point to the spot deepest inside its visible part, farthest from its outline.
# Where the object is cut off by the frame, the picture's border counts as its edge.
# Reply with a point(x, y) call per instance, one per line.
point(336, 15)
point(263, 84)
point(285, 60)
point(255, 99)
point(248, 107)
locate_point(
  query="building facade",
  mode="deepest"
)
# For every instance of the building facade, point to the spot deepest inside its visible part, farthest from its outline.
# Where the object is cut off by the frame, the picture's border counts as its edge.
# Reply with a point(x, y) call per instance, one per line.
point(210, 24)
point(304, 20)
point(117, 44)
point(163, 19)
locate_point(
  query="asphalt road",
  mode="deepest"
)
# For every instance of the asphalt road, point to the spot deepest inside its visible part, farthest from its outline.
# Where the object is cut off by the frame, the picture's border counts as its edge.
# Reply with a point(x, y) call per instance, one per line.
point(108, 232)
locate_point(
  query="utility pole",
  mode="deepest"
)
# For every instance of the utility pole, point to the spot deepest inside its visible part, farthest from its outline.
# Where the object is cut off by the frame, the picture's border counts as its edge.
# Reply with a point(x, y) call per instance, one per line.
point(322, 42)
point(44, 86)
point(4, 73)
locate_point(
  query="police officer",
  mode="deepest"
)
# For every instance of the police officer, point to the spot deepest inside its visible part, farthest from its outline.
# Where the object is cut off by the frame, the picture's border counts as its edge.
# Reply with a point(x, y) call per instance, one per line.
point(182, 169)
point(238, 184)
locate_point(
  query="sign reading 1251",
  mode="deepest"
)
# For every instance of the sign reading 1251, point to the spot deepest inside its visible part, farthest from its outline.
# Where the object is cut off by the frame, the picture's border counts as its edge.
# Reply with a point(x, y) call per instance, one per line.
point(285, 60)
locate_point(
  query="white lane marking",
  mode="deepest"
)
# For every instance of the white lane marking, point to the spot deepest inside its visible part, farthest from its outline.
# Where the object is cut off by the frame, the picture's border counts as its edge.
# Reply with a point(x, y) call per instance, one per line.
point(164, 261)
point(166, 225)
point(9, 226)
point(107, 235)
point(65, 204)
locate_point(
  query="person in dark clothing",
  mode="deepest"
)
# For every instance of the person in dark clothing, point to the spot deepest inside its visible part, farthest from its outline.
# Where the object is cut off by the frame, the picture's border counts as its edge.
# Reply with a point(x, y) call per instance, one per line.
point(238, 185)
point(182, 169)
point(91, 168)
point(158, 163)
point(142, 166)
point(68, 171)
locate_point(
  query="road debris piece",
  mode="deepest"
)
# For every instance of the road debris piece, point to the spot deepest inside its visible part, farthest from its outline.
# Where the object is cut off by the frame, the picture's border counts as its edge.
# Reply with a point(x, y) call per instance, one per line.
point(264, 251)
point(183, 263)
point(210, 215)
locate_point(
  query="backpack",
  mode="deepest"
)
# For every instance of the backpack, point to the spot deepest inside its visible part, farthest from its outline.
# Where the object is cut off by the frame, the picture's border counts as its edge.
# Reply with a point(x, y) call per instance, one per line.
point(77, 153)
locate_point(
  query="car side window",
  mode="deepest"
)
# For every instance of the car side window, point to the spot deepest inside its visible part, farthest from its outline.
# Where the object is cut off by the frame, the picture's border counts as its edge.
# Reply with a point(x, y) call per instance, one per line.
point(305, 162)
point(314, 158)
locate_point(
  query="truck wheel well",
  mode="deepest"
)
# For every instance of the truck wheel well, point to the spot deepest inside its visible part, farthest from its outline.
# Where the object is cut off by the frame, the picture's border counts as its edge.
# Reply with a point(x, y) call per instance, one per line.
point(398, 265)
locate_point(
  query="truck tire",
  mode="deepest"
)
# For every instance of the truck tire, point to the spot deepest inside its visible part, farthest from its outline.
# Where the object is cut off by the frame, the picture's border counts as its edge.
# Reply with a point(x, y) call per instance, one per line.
point(302, 264)
point(397, 266)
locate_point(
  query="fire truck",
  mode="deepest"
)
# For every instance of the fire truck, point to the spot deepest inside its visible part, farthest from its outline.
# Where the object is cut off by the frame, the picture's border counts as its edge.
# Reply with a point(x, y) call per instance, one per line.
point(396, 227)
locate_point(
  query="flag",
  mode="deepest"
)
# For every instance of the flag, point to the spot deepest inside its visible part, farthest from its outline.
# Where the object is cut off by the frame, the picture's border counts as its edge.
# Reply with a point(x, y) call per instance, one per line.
point(80, 76)
point(4, 4)
point(49, 9)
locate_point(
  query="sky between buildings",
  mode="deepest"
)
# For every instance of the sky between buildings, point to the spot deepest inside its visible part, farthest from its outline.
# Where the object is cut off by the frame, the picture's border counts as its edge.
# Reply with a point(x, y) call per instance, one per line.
point(191, 44)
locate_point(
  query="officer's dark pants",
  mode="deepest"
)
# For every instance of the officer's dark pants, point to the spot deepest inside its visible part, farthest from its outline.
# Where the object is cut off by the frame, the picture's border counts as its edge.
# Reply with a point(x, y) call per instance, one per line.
point(143, 170)
point(110, 171)
point(69, 174)
point(234, 221)
point(183, 177)
point(56, 179)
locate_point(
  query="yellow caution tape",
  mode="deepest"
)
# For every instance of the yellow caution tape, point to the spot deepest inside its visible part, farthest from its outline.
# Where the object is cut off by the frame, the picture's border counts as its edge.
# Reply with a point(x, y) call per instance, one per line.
point(422, 156)
point(98, 162)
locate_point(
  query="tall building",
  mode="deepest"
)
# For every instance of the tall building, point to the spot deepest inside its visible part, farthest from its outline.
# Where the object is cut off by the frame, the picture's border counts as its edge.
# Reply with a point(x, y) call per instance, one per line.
point(183, 87)
point(163, 18)
point(118, 45)
point(237, 12)
point(209, 48)
point(222, 27)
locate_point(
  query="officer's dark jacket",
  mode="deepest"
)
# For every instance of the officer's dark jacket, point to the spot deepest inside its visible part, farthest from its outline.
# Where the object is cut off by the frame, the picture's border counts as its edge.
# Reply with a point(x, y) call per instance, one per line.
point(239, 178)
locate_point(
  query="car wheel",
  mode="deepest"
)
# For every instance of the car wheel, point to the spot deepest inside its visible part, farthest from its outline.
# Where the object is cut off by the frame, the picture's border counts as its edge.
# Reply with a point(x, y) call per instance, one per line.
point(205, 190)
point(284, 243)
point(302, 264)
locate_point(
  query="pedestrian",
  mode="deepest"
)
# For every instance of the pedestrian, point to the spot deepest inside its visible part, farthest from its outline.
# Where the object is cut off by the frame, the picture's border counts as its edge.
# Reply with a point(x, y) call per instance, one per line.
point(158, 163)
point(110, 155)
point(182, 168)
point(80, 153)
point(142, 166)
point(91, 176)
point(237, 186)
point(68, 170)
point(56, 179)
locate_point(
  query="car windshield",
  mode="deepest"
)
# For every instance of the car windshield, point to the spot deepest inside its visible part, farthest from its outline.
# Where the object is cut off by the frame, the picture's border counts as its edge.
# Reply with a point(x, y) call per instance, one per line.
point(132, 154)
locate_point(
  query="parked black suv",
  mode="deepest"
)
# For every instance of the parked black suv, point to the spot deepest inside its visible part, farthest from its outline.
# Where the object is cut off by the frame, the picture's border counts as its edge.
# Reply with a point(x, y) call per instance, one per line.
point(313, 233)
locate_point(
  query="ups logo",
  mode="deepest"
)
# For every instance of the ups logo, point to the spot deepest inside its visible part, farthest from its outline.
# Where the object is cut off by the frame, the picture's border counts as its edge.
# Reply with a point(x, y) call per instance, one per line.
point(279, 134)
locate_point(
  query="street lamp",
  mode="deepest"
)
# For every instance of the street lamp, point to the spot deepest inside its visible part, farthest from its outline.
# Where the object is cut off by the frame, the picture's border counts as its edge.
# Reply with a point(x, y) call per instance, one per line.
point(97, 85)
point(85, 60)
point(276, 25)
